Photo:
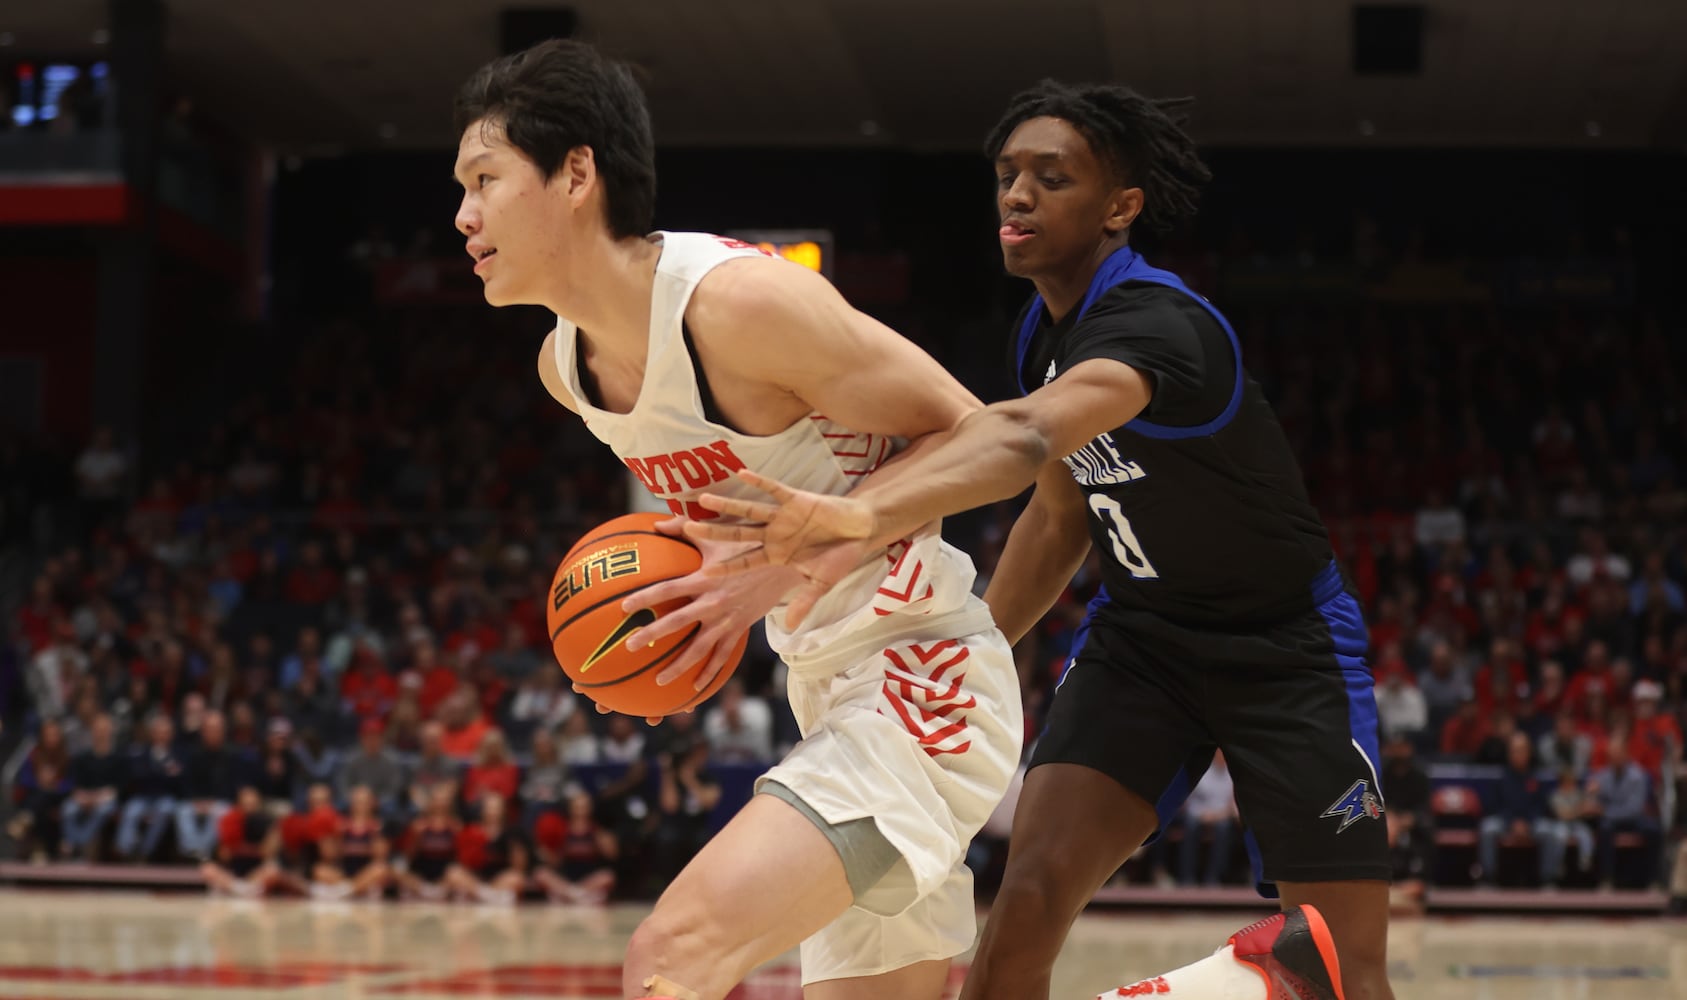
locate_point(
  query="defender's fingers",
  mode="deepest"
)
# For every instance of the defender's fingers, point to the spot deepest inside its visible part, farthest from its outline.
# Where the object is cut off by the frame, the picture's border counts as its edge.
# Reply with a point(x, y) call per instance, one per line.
point(742, 563)
point(749, 510)
point(714, 531)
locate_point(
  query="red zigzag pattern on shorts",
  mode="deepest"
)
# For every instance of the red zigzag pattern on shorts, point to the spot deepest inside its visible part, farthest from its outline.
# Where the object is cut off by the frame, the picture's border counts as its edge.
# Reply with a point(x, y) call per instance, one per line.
point(932, 706)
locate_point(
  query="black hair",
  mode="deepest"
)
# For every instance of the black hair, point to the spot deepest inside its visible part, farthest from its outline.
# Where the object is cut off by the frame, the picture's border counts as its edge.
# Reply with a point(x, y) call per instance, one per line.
point(1139, 138)
point(560, 95)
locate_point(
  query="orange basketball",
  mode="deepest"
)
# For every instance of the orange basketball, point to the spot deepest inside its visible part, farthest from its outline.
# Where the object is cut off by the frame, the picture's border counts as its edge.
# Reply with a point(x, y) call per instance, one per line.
point(589, 630)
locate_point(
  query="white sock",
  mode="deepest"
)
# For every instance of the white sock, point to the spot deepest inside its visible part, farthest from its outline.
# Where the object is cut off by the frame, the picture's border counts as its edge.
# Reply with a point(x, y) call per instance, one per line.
point(1217, 977)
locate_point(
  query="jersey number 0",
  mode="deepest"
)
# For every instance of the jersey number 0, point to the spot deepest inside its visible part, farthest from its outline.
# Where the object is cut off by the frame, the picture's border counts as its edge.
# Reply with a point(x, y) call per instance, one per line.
point(1126, 548)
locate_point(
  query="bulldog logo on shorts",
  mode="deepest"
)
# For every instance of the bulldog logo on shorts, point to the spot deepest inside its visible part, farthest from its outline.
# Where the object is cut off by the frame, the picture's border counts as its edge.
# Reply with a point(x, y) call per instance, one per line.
point(1357, 803)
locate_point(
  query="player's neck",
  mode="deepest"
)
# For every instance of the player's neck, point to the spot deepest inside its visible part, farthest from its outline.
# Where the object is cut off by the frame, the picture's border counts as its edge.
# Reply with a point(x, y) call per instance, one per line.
point(1063, 292)
point(605, 292)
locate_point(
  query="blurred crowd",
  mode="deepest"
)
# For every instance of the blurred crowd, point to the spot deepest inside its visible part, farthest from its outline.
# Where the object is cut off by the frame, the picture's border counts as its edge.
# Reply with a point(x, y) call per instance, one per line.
point(306, 647)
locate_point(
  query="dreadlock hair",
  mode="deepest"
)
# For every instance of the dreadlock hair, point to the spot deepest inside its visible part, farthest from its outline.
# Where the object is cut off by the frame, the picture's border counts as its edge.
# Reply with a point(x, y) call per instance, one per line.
point(1139, 138)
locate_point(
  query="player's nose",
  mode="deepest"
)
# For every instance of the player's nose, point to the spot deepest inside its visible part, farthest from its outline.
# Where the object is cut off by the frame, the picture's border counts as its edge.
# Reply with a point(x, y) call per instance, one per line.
point(468, 220)
point(1018, 195)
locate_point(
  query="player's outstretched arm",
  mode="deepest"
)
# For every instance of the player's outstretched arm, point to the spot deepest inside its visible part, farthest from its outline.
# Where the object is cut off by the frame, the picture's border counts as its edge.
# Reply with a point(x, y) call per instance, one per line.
point(1045, 548)
point(991, 455)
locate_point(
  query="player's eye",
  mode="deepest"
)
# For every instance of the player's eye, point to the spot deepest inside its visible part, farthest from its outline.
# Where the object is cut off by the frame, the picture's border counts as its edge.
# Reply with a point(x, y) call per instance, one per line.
point(1005, 181)
point(1053, 180)
point(481, 179)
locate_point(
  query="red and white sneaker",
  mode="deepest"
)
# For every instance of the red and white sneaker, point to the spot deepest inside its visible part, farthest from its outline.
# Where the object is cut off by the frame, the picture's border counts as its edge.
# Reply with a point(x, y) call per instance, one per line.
point(1294, 953)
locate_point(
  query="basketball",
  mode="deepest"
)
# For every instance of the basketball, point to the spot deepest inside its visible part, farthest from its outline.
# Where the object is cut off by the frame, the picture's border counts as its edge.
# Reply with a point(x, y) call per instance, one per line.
point(589, 629)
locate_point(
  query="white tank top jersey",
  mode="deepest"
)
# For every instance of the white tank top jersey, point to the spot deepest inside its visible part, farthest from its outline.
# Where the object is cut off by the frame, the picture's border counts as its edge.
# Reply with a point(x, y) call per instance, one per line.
point(678, 454)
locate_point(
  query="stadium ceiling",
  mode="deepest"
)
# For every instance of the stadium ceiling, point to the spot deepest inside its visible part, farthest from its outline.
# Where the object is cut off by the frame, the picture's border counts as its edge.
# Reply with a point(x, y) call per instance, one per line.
point(309, 75)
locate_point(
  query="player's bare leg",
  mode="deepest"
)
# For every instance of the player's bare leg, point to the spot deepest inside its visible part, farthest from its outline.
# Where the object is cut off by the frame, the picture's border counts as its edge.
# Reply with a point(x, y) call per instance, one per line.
point(1072, 830)
point(767, 881)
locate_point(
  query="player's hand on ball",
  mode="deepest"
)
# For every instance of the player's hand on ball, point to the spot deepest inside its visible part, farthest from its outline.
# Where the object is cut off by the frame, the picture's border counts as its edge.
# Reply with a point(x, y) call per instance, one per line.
point(649, 720)
point(822, 537)
point(725, 606)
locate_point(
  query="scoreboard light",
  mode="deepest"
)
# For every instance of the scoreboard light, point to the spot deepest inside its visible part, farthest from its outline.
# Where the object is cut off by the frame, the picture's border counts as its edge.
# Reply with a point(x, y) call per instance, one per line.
point(812, 248)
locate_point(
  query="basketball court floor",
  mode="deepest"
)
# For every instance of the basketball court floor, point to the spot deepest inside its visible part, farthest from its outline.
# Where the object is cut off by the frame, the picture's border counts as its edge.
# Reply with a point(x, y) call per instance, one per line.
point(102, 946)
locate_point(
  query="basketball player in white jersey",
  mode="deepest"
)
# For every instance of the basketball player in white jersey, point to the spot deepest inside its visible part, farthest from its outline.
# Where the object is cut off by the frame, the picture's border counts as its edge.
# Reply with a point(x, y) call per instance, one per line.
point(693, 356)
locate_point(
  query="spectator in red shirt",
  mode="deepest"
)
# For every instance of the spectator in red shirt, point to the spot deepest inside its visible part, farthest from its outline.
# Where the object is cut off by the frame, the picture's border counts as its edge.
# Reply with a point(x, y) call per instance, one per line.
point(1387, 628)
point(1544, 633)
point(1551, 692)
point(1595, 675)
point(1465, 732)
point(1654, 735)
point(1502, 684)
point(576, 856)
point(465, 726)
point(492, 858)
point(1596, 723)
point(248, 846)
point(477, 637)
point(438, 679)
point(492, 773)
point(301, 832)
point(367, 688)
point(35, 619)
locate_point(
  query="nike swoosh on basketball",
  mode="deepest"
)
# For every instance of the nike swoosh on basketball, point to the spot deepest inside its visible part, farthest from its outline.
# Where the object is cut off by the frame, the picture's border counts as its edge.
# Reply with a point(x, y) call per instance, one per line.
point(630, 624)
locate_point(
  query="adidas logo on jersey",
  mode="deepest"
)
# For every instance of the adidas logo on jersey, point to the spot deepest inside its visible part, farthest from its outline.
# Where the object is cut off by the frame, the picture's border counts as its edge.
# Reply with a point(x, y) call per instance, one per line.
point(1100, 464)
point(1049, 375)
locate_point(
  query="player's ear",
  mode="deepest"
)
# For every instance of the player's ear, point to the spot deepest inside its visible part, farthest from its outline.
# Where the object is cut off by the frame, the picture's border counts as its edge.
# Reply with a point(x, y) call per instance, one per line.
point(1123, 206)
point(578, 174)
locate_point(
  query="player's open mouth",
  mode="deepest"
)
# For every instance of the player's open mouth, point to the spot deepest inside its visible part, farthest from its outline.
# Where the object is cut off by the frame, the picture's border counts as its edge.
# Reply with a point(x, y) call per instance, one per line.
point(1013, 234)
point(481, 259)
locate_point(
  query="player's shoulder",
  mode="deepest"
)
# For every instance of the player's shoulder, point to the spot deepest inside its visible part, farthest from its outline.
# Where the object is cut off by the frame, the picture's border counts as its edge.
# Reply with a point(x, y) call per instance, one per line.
point(550, 375)
point(1146, 303)
point(744, 299)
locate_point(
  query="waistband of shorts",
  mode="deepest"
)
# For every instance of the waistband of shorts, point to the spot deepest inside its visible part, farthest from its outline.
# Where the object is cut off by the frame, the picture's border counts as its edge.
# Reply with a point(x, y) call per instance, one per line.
point(974, 616)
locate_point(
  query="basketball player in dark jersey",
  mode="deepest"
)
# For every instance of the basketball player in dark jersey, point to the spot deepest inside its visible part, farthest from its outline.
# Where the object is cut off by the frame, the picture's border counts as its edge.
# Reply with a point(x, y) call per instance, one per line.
point(1223, 621)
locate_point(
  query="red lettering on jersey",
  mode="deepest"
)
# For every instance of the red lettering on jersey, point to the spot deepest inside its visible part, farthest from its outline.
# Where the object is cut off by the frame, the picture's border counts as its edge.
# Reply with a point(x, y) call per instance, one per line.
point(1147, 988)
point(665, 465)
point(692, 468)
point(642, 470)
point(730, 243)
point(712, 463)
point(719, 458)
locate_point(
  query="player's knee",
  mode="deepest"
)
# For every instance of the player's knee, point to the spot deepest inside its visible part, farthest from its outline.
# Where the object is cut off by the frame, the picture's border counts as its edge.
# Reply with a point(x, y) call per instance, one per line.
point(1040, 887)
point(670, 943)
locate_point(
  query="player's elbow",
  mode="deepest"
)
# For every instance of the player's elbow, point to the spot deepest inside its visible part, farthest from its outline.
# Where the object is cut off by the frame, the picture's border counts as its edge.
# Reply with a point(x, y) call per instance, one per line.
point(1018, 433)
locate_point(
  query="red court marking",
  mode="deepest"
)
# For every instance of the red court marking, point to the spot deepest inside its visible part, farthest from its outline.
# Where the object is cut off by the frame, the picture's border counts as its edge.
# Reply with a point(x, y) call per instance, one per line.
point(777, 983)
point(293, 974)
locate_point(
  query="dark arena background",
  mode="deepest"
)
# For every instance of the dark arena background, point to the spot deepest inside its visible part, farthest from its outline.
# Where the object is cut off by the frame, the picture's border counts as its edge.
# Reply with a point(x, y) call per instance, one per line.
point(271, 467)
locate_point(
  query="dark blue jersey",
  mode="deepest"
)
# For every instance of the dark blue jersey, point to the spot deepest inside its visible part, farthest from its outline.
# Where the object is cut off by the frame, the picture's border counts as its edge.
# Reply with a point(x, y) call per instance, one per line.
point(1197, 505)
